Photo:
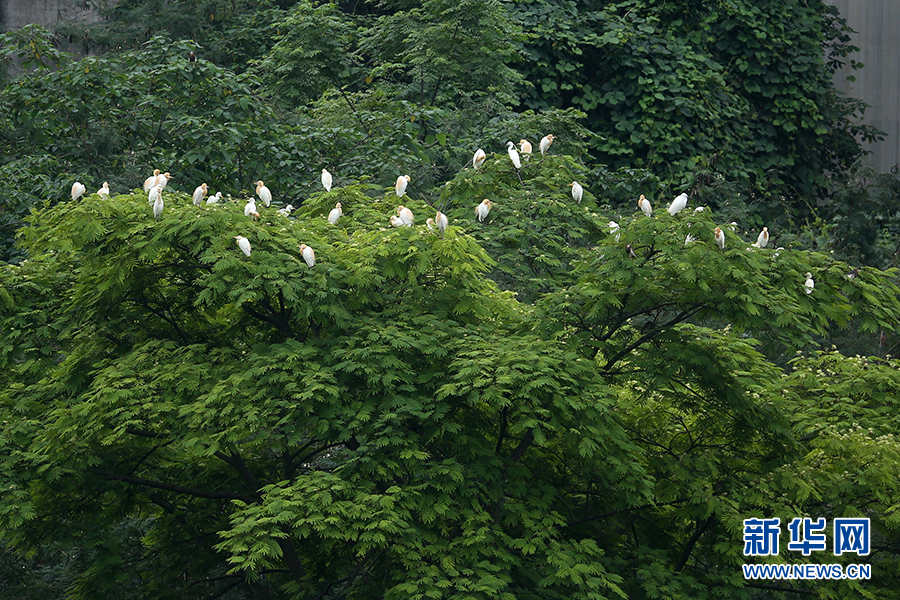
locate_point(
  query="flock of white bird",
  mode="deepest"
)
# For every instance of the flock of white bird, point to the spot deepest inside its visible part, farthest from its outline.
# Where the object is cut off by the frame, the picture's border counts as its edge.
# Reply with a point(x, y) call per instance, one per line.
point(155, 184)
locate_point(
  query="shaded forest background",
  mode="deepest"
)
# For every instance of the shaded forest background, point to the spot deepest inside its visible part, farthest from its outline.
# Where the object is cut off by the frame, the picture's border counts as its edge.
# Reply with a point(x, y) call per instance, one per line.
point(540, 398)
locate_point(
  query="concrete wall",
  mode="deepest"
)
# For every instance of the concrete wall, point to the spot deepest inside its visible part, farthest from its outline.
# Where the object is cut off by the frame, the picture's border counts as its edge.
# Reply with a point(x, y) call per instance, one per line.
point(877, 26)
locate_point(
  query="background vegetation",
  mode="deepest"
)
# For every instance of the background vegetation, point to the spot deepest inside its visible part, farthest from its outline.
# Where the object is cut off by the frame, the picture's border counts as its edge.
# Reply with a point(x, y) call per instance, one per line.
point(533, 406)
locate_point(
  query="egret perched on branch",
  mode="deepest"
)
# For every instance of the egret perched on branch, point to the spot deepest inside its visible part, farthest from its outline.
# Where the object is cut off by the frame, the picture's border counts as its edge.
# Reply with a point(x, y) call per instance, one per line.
point(243, 243)
point(644, 205)
point(513, 155)
point(720, 238)
point(286, 210)
point(163, 179)
point(478, 159)
point(525, 146)
point(335, 214)
point(810, 284)
point(429, 223)
point(264, 193)
point(214, 199)
point(440, 219)
point(151, 181)
point(156, 195)
point(614, 228)
point(482, 210)
point(396, 221)
point(199, 193)
point(326, 180)
point(699, 209)
point(678, 203)
point(545, 143)
point(308, 255)
point(400, 186)
point(577, 191)
point(250, 207)
point(77, 190)
point(405, 215)
point(763, 238)
point(104, 189)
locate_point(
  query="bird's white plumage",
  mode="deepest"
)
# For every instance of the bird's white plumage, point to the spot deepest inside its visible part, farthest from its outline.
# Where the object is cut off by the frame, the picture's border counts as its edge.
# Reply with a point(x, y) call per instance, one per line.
point(308, 255)
point(482, 210)
point(545, 143)
point(335, 214)
point(264, 193)
point(406, 216)
point(250, 207)
point(614, 228)
point(644, 205)
point(214, 199)
point(479, 158)
point(810, 284)
point(396, 221)
point(678, 204)
point(77, 190)
point(104, 189)
point(525, 146)
point(153, 194)
point(162, 179)
point(151, 181)
point(513, 155)
point(243, 243)
point(156, 193)
point(440, 219)
point(577, 192)
point(763, 238)
point(429, 223)
point(400, 186)
point(720, 238)
point(326, 180)
point(286, 210)
point(199, 193)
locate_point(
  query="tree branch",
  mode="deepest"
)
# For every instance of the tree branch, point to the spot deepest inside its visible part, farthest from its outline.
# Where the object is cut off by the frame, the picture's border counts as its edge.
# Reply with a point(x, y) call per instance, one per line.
point(178, 489)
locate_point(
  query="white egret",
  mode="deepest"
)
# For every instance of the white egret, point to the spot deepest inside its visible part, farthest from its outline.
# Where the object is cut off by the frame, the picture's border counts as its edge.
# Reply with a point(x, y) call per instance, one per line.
point(153, 194)
point(308, 255)
point(156, 194)
point(525, 146)
point(77, 190)
point(614, 228)
point(151, 181)
point(478, 159)
point(688, 239)
point(405, 215)
point(699, 209)
point(286, 210)
point(250, 207)
point(577, 191)
point(214, 199)
point(335, 214)
point(429, 223)
point(763, 238)
point(400, 186)
point(678, 204)
point(264, 193)
point(199, 193)
point(482, 210)
point(720, 238)
point(326, 180)
point(545, 143)
point(243, 243)
point(162, 179)
point(104, 189)
point(440, 219)
point(396, 221)
point(644, 205)
point(513, 155)
point(810, 284)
